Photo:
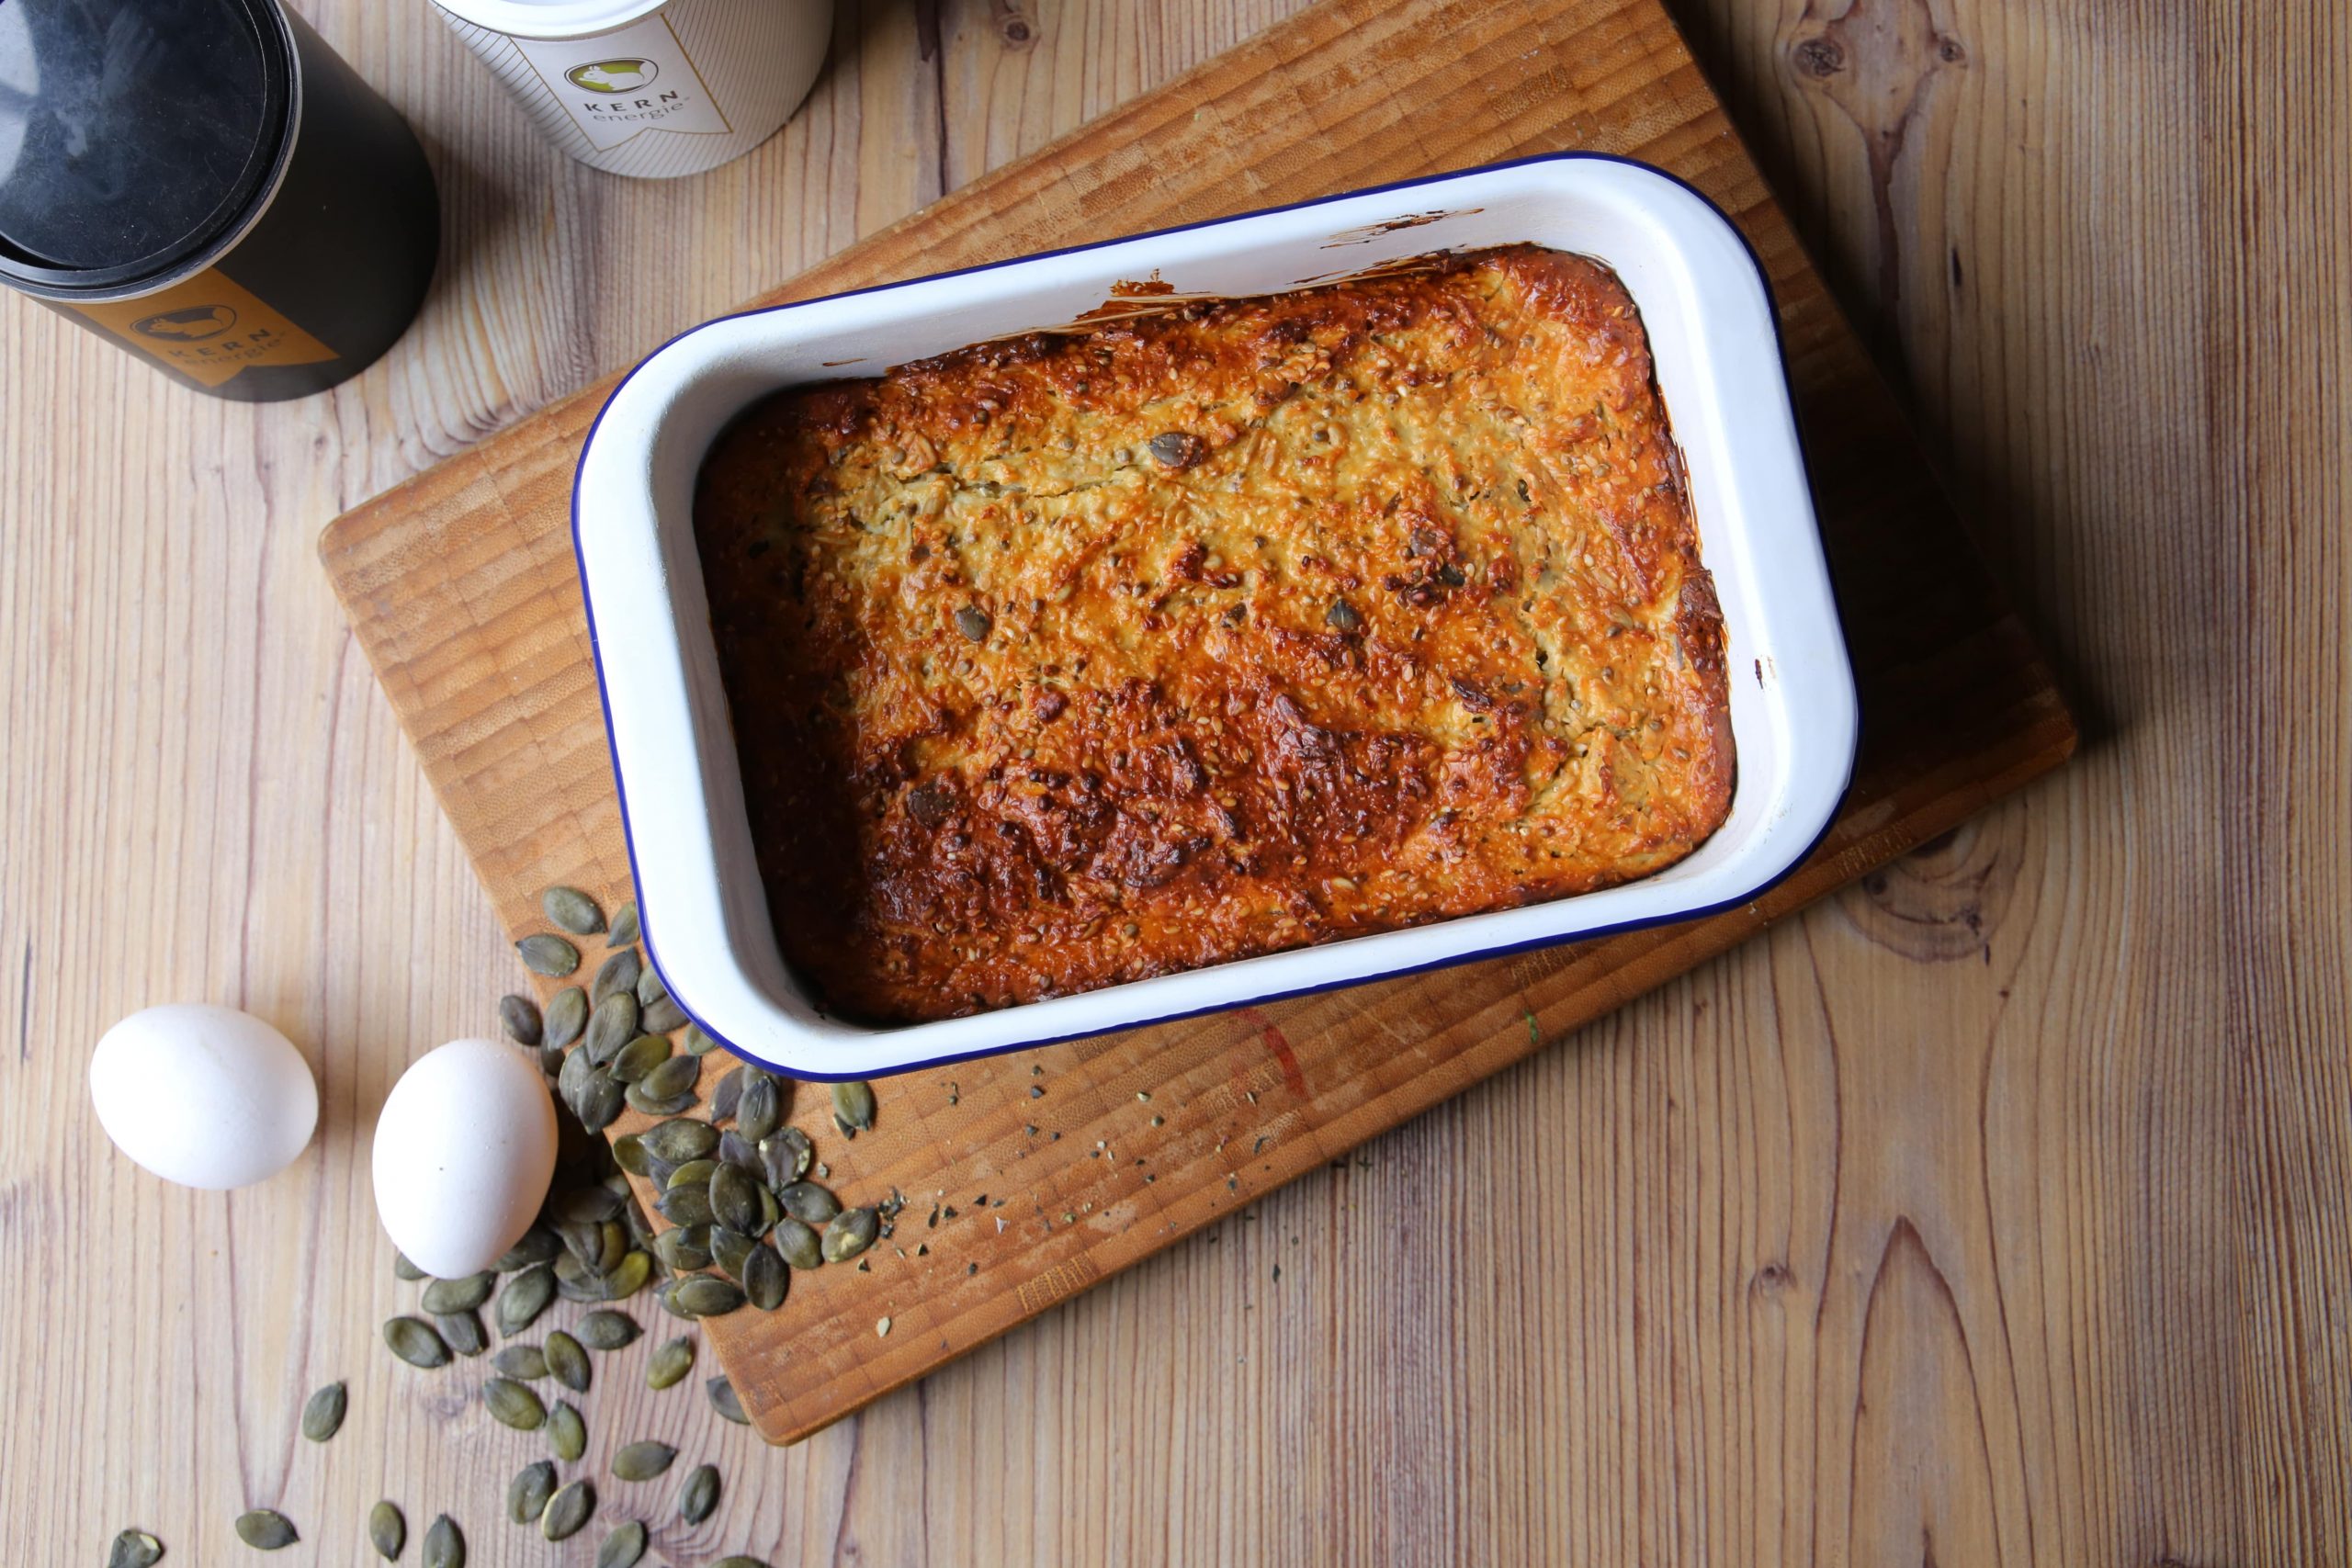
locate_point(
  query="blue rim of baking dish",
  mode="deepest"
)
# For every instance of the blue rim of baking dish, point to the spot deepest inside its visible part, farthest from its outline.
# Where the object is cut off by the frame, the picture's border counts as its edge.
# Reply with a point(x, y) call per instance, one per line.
point(612, 746)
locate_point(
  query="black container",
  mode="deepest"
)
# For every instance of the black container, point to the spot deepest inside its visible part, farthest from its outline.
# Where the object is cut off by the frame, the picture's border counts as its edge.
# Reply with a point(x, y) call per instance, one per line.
point(207, 183)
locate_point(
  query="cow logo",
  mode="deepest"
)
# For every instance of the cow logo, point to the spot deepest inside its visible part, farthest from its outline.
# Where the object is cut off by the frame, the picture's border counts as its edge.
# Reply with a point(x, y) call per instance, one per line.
point(192, 324)
point(613, 75)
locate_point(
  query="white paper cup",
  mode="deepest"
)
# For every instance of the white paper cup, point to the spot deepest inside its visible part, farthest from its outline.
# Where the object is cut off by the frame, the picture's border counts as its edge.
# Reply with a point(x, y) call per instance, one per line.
point(652, 88)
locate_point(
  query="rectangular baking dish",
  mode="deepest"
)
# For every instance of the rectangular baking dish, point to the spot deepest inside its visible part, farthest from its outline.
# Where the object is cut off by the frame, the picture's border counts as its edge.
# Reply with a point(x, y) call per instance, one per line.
point(1709, 320)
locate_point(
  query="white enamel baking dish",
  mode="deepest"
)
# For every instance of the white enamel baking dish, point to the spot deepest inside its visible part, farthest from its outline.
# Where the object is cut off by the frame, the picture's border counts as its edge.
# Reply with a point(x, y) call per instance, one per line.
point(1711, 325)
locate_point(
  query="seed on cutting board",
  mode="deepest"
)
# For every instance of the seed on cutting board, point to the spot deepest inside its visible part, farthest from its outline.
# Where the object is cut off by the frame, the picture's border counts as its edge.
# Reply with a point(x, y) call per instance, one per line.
point(809, 1203)
point(722, 1398)
point(414, 1341)
point(854, 1105)
point(548, 955)
point(665, 1015)
point(519, 1016)
point(643, 1460)
point(727, 1095)
point(403, 1269)
point(323, 1416)
point(387, 1530)
point(623, 1547)
point(785, 1154)
point(698, 1499)
point(757, 1112)
point(567, 1434)
point(851, 1233)
point(624, 932)
point(616, 976)
point(650, 986)
point(706, 1295)
point(738, 1150)
point(527, 1363)
point(265, 1530)
point(729, 1248)
point(600, 1105)
point(669, 1363)
point(567, 1361)
point(567, 1510)
point(567, 1015)
point(635, 1272)
point(539, 1246)
point(684, 1249)
point(687, 1205)
point(461, 1331)
point(629, 1154)
point(670, 1077)
point(646, 1103)
point(568, 908)
point(134, 1548)
point(593, 1204)
point(605, 1329)
point(681, 1140)
point(459, 1295)
point(735, 1199)
point(612, 1025)
point(527, 1494)
point(698, 1041)
point(796, 1244)
point(445, 1545)
point(765, 1277)
point(524, 1298)
point(641, 1056)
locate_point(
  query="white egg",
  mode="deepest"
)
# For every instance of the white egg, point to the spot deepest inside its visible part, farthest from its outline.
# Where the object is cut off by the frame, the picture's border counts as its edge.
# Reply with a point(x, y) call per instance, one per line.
point(464, 1150)
point(204, 1096)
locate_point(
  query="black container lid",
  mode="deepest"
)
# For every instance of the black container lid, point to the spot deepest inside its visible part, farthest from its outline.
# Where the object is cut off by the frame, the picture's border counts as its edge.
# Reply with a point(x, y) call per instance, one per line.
point(134, 134)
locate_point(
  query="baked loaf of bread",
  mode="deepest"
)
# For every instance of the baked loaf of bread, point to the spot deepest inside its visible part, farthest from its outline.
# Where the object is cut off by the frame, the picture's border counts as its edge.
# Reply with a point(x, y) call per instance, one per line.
point(1212, 630)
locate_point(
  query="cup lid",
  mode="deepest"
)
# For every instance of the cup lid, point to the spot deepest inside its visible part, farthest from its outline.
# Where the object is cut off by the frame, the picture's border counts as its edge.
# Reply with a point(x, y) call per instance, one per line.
point(133, 133)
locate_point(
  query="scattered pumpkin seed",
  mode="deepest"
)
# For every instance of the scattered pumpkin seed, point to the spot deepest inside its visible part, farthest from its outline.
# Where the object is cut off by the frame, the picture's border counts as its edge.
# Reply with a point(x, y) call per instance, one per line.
point(605, 1329)
point(851, 1233)
point(567, 1361)
point(265, 1530)
point(589, 1205)
point(684, 1249)
point(757, 1112)
point(461, 1331)
point(459, 1295)
point(567, 1015)
point(769, 1210)
point(445, 1545)
point(670, 1364)
point(134, 1548)
point(600, 1106)
point(641, 1056)
point(414, 1341)
point(512, 1404)
point(636, 1271)
point(723, 1399)
point(665, 1015)
point(706, 1295)
point(538, 1244)
point(809, 1203)
point(387, 1530)
point(687, 1205)
point(728, 1249)
point(570, 910)
point(623, 1547)
point(694, 1173)
point(735, 1199)
point(567, 1510)
point(645, 1103)
point(527, 1363)
point(670, 1077)
point(681, 1140)
point(567, 1433)
point(727, 1095)
point(527, 1494)
point(524, 1298)
point(629, 1154)
point(796, 1244)
point(519, 1016)
point(699, 1041)
point(642, 1461)
point(624, 932)
point(698, 1499)
point(765, 1277)
point(785, 1154)
point(403, 1269)
point(738, 1561)
point(650, 986)
point(616, 976)
point(548, 955)
point(323, 1416)
point(612, 1025)
point(854, 1106)
point(740, 1151)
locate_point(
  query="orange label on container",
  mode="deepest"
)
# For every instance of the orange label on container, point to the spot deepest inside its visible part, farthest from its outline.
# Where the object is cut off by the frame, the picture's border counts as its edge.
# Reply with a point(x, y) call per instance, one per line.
point(210, 327)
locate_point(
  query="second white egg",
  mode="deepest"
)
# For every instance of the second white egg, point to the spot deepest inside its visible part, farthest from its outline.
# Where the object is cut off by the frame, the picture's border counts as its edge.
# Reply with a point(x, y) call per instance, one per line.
point(465, 1147)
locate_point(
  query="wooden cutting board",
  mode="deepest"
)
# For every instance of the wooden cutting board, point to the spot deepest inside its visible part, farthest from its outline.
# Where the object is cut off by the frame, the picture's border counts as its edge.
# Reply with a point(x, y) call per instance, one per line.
point(1065, 1164)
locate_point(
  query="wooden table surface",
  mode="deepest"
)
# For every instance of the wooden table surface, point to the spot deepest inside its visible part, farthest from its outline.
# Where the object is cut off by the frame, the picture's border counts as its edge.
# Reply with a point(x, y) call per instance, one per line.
point(1994, 1211)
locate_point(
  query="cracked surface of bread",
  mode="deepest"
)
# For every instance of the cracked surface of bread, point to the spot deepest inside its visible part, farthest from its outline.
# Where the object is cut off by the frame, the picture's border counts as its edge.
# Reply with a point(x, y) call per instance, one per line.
point(1077, 658)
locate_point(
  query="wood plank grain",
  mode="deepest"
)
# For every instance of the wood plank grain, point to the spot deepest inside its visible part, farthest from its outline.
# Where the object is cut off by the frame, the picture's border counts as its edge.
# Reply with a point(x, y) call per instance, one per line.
point(461, 588)
point(2089, 1046)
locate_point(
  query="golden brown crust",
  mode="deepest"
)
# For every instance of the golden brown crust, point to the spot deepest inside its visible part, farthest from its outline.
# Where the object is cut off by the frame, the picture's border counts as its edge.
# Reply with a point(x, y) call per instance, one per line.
point(1075, 659)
